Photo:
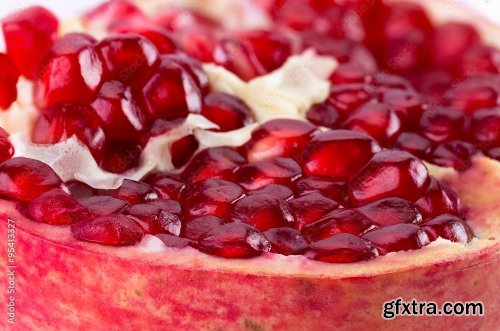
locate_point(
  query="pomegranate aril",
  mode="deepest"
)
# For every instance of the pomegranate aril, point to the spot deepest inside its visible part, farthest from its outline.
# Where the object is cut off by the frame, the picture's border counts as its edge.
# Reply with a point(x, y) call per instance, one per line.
point(161, 38)
point(485, 127)
point(178, 19)
point(216, 162)
point(72, 72)
point(448, 227)
point(338, 221)
point(6, 149)
point(157, 219)
point(398, 237)
point(339, 154)
point(279, 191)
point(79, 190)
point(333, 188)
point(437, 200)
point(310, 207)
point(194, 69)
point(168, 187)
point(236, 56)
point(479, 59)
point(227, 111)
point(182, 150)
point(120, 156)
point(450, 41)
point(346, 98)
point(390, 211)
point(279, 170)
point(442, 124)
point(286, 241)
point(57, 207)
point(414, 143)
point(406, 103)
point(195, 228)
point(234, 240)
point(103, 205)
point(262, 212)
point(456, 154)
point(342, 248)
point(280, 137)
point(198, 43)
point(110, 230)
point(133, 192)
point(390, 173)
point(470, 96)
point(494, 153)
point(384, 81)
point(324, 115)
point(25, 179)
point(29, 34)
point(174, 241)
point(111, 11)
point(9, 75)
point(347, 73)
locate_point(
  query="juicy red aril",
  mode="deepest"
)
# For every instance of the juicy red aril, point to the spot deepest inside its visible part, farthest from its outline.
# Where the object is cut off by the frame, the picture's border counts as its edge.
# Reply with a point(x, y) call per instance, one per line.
point(174, 241)
point(217, 162)
point(126, 56)
point(437, 200)
point(448, 227)
point(56, 207)
point(29, 34)
point(324, 115)
point(120, 156)
point(171, 92)
point(406, 103)
point(390, 173)
point(347, 73)
point(338, 221)
point(279, 170)
point(121, 117)
point(6, 149)
point(111, 11)
point(384, 81)
point(333, 188)
point(71, 73)
point(450, 41)
point(390, 211)
point(280, 137)
point(25, 179)
point(234, 240)
point(286, 241)
point(79, 190)
point(485, 127)
point(262, 212)
point(214, 201)
point(346, 98)
point(160, 37)
point(194, 68)
point(470, 96)
point(376, 120)
point(442, 124)
point(236, 56)
point(398, 237)
point(110, 230)
point(9, 75)
point(279, 191)
point(342, 248)
point(310, 207)
point(479, 59)
point(227, 111)
point(338, 153)
point(494, 153)
point(177, 19)
point(197, 188)
point(103, 205)
point(133, 192)
point(195, 228)
point(457, 154)
point(168, 187)
point(157, 219)
point(182, 150)
point(413, 143)
point(198, 43)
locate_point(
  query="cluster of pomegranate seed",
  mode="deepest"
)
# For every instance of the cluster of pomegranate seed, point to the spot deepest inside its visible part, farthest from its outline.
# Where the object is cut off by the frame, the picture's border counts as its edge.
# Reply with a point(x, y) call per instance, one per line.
point(332, 196)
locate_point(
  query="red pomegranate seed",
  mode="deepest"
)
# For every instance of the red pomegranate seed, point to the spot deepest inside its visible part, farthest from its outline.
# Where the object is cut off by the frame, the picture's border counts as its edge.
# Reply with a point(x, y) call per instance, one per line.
point(457, 154)
point(479, 59)
point(471, 95)
point(413, 143)
point(216, 201)
point(310, 207)
point(485, 127)
point(162, 39)
point(194, 68)
point(338, 221)
point(26, 179)
point(494, 153)
point(286, 241)
point(407, 104)
point(57, 207)
point(390, 211)
point(174, 241)
point(158, 219)
point(384, 81)
point(111, 11)
point(279, 191)
point(390, 173)
point(234, 240)
point(29, 34)
point(346, 98)
point(171, 92)
point(125, 57)
point(262, 212)
point(227, 111)
point(168, 187)
point(133, 192)
point(6, 149)
point(103, 205)
point(9, 75)
point(376, 120)
point(450, 41)
point(194, 229)
point(347, 73)
point(182, 150)
point(279, 170)
point(72, 72)
point(111, 230)
point(324, 115)
point(437, 200)
point(198, 43)
point(120, 156)
point(398, 237)
point(177, 19)
point(442, 124)
point(197, 188)
point(294, 14)
point(280, 137)
point(121, 117)
point(333, 188)
point(79, 190)
point(339, 153)
point(217, 162)
point(449, 227)
point(342, 248)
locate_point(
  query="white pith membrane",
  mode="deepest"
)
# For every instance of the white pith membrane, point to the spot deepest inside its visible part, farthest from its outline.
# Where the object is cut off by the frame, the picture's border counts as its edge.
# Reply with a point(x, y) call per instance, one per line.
point(287, 92)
